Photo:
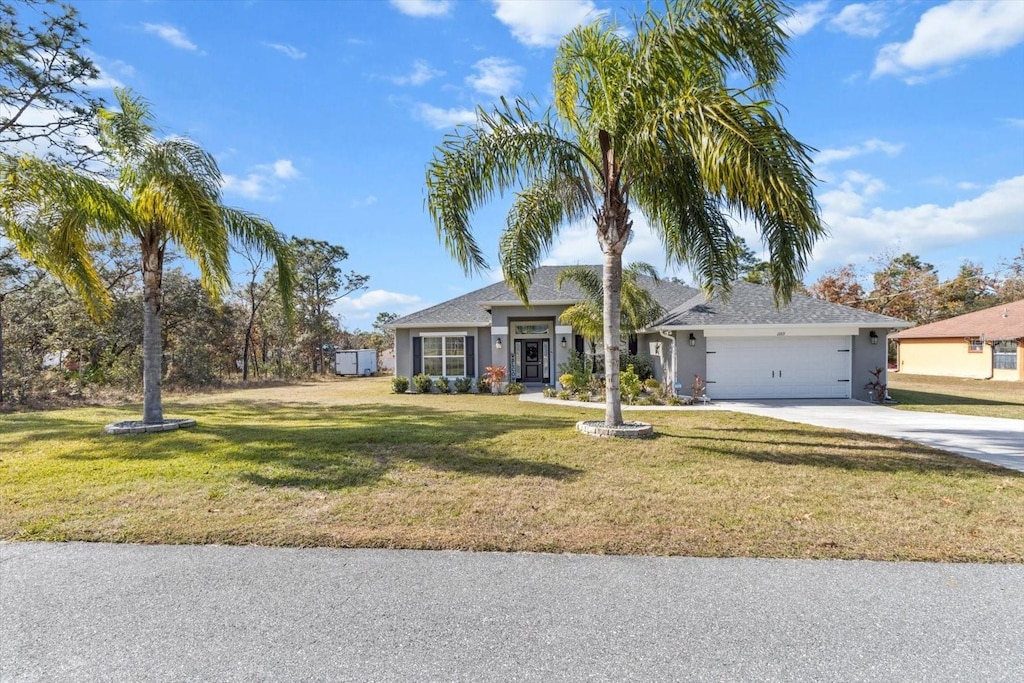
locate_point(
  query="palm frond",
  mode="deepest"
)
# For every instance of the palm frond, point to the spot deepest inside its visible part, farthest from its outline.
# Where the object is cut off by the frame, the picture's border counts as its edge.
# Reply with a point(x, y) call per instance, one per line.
point(536, 215)
point(507, 149)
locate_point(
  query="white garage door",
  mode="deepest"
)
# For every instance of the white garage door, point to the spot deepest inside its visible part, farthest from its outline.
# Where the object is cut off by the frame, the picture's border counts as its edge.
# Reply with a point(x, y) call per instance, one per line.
point(779, 367)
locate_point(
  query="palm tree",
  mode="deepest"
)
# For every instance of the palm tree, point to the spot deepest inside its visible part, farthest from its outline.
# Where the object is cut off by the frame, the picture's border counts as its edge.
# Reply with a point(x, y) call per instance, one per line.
point(639, 307)
point(161, 193)
point(646, 118)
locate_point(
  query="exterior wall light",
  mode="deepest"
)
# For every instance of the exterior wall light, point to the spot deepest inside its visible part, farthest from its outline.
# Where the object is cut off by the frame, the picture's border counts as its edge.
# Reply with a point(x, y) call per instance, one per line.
point(873, 336)
point(692, 340)
point(497, 343)
point(563, 342)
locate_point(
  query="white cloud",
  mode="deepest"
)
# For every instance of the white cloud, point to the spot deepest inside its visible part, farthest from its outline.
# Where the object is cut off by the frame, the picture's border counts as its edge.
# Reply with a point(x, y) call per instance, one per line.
point(368, 200)
point(284, 169)
point(172, 35)
point(423, 8)
point(805, 18)
point(857, 234)
point(263, 182)
point(542, 24)
point(289, 51)
point(422, 72)
point(950, 33)
point(1015, 123)
point(442, 119)
point(496, 76)
point(828, 156)
point(860, 19)
point(361, 311)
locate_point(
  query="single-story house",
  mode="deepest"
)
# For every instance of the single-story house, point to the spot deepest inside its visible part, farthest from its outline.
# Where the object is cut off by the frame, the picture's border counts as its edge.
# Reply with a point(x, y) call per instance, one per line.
point(744, 348)
point(987, 344)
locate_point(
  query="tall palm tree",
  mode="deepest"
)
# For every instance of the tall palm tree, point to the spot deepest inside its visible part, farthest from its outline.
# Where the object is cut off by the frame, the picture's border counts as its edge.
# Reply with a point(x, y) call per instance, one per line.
point(162, 193)
point(648, 118)
point(639, 307)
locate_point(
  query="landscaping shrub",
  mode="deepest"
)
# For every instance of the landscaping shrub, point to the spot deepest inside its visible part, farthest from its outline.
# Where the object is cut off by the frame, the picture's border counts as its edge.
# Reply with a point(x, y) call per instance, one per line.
point(483, 386)
point(583, 398)
point(399, 385)
point(443, 385)
point(565, 394)
point(550, 392)
point(629, 384)
point(675, 401)
point(596, 386)
point(422, 383)
point(642, 365)
point(515, 388)
point(568, 381)
point(463, 385)
point(577, 368)
point(494, 375)
point(652, 385)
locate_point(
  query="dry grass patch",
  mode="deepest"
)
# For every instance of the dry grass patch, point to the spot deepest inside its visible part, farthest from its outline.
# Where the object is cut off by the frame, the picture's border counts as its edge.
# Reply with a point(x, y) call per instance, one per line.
point(346, 464)
point(987, 398)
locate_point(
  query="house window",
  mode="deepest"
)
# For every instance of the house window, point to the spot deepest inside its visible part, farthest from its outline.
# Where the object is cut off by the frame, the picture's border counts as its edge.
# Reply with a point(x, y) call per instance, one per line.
point(975, 346)
point(1004, 355)
point(444, 356)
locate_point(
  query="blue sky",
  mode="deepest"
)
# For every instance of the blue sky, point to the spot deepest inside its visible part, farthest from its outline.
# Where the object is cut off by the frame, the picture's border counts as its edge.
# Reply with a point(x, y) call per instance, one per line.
point(323, 116)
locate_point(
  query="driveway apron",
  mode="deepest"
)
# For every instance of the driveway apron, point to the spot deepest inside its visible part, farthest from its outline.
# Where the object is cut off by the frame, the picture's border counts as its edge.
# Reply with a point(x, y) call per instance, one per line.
point(995, 440)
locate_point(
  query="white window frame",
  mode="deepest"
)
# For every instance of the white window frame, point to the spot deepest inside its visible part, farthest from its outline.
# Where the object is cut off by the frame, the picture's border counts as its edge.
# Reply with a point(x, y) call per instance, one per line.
point(444, 355)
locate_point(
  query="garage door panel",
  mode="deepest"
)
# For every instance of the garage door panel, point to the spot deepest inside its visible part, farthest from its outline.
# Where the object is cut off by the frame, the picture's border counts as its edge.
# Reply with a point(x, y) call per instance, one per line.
point(779, 367)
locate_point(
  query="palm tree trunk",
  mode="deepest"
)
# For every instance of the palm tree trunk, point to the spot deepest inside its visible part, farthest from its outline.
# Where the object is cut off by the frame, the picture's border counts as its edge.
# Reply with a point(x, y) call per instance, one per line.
point(612, 307)
point(152, 343)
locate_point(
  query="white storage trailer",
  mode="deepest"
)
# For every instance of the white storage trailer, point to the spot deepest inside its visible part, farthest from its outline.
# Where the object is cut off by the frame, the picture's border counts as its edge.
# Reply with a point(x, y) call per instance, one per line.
point(356, 362)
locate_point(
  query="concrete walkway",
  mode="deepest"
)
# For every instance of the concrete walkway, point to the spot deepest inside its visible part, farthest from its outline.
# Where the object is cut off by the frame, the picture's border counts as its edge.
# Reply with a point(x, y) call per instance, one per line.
point(995, 440)
point(83, 612)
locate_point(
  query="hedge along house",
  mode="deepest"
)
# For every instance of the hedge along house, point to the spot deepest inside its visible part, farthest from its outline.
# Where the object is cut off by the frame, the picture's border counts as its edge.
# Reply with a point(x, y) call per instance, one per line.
point(745, 348)
point(986, 344)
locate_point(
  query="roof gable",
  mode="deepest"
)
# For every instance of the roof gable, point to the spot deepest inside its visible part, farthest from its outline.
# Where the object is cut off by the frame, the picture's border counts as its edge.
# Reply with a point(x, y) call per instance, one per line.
point(1002, 322)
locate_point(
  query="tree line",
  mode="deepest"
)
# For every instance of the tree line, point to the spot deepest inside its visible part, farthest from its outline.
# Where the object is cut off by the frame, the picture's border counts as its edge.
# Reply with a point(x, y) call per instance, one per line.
point(96, 204)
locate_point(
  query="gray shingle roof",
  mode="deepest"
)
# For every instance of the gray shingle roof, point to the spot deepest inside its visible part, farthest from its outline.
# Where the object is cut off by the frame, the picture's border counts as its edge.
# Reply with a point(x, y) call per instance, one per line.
point(469, 309)
point(752, 304)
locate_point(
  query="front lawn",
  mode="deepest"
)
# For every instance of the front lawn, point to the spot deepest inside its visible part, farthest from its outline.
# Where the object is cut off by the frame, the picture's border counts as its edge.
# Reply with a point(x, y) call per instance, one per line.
point(986, 398)
point(344, 463)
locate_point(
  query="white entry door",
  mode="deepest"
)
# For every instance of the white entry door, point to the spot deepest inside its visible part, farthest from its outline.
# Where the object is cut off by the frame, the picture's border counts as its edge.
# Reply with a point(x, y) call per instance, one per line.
point(779, 367)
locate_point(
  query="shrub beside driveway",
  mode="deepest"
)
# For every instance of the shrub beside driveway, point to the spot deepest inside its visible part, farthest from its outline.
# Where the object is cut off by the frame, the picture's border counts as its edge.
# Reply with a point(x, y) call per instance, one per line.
point(348, 464)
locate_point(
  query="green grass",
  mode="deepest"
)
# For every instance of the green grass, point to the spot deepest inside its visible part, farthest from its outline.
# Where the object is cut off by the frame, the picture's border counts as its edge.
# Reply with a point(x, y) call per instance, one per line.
point(986, 398)
point(347, 464)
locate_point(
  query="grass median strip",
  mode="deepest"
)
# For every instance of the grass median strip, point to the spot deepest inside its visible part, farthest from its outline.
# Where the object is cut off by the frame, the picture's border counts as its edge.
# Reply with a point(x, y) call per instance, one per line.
point(346, 464)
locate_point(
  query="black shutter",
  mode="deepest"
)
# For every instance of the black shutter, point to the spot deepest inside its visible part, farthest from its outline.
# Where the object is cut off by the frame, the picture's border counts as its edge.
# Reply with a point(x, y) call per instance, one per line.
point(634, 344)
point(470, 357)
point(577, 341)
point(417, 355)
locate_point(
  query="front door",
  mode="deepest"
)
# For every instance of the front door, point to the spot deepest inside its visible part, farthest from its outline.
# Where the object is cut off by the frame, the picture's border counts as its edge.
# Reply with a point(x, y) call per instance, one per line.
point(532, 362)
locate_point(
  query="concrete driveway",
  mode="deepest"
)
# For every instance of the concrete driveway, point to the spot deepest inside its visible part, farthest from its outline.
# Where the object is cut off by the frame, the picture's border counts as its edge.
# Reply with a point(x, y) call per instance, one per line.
point(996, 440)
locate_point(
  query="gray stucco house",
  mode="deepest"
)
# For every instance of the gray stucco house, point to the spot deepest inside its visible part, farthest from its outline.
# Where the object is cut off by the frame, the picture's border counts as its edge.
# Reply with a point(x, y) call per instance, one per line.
point(745, 347)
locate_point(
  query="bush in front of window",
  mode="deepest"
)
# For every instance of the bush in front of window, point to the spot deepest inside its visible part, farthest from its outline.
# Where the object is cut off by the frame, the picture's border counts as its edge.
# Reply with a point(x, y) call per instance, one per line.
point(443, 385)
point(399, 385)
point(463, 385)
point(515, 388)
point(483, 386)
point(423, 383)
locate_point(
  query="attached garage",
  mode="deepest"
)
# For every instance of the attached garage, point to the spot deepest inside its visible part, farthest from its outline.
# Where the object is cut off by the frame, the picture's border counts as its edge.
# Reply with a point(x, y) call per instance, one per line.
point(779, 367)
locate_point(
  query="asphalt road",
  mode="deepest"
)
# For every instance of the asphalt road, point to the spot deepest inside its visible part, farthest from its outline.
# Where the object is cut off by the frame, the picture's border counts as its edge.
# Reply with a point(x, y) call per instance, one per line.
point(76, 611)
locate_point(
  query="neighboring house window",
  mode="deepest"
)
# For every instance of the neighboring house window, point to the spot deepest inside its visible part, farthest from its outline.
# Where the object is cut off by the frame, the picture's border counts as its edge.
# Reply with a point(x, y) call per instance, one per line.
point(1004, 355)
point(444, 356)
point(975, 346)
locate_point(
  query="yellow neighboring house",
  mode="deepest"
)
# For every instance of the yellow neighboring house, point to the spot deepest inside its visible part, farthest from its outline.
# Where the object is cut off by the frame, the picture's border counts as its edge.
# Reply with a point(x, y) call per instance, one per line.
point(986, 344)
